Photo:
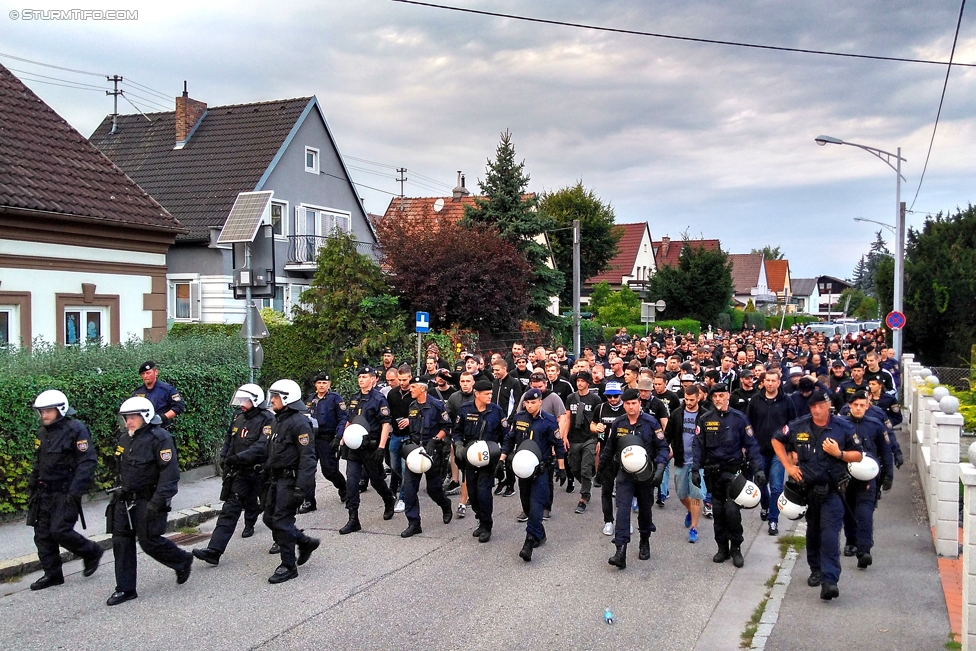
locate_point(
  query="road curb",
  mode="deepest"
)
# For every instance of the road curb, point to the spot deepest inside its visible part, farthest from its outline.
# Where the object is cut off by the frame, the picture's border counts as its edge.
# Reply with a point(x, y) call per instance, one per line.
point(191, 517)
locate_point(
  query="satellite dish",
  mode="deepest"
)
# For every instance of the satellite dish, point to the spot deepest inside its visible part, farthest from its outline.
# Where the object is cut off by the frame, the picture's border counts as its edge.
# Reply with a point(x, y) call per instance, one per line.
point(439, 205)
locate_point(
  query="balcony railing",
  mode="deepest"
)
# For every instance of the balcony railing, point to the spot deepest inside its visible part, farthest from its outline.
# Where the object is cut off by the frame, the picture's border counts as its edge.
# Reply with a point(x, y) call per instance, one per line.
point(304, 249)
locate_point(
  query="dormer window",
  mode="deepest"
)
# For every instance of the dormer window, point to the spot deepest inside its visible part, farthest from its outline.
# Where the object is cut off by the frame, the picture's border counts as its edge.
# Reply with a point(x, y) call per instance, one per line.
point(312, 160)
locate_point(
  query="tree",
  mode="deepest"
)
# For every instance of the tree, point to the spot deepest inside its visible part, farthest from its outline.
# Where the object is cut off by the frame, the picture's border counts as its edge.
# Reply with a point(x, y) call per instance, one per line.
point(347, 313)
point(468, 277)
point(860, 277)
point(769, 252)
point(505, 206)
point(621, 308)
point(848, 301)
point(599, 295)
point(598, 237)
point(877, 252)
point(940, 289)
point(699, 287)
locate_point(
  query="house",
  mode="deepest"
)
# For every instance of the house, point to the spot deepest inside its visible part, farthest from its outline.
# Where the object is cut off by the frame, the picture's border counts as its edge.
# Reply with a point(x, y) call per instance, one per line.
point(82, 247)
point(816, 296)
point(749, 280)
point(667, 253)
point(196, 159)
point(634, 263)
point(778, 277)
point(805, 295)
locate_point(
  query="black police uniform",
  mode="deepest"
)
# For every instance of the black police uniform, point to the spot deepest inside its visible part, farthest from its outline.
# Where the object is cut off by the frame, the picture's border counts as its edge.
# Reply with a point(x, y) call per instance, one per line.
point(371, 411)
point(149, 475)
point(648, 430)
point(718, 446)
point(823, 476)
point(329, 412)
point(427, 420)
point(64, 469)
point(534, 491)
point(290, 469)
point(861, 496)
point(164, 397)
point(472, 425)
point(245, 446)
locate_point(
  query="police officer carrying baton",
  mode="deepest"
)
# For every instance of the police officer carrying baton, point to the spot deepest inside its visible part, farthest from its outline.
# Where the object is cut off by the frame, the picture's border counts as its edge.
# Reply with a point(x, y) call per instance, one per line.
point(64, 469)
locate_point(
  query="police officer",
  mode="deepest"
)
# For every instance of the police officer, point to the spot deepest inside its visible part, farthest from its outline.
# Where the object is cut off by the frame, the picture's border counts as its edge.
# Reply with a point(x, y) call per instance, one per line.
point(718, 449)
point(369, 409)
point(329, 411)
point(245, 446)
point(889, 405)
point(606, 414)
point(651, 436)
point(429, 425)
point(480, 420)
point(541, 427)
point(290, 469)
point(861, 496)
point(149, 474)
point(165, 399)
point(815, 450)
point(64, 469)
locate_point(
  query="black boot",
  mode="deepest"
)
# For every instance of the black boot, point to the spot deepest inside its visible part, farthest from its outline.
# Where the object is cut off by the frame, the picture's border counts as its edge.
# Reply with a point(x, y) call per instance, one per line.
point(91, 563)
point(342, 496)
point(412, 530)
point(447, 512)
point(248, 531)
point(352, 524)
point(47, 581)
point(721, 555)
point(364, 484)
point(645, 548)
point(307, 507)
point(526, 553)
point(737, 559)
point(619, 559)
point(305, 549)
point(864, 560)
point(388, 508)
point(207, 555)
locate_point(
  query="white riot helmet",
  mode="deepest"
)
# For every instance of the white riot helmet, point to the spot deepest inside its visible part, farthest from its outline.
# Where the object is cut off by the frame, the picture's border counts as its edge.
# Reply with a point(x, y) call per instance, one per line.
point(288, 390)
point(866, 469)
point(482, 453)
point(792, 504)
point(249, 392)
point(52, 399)
point(526, 459)
point(140, 406)
point(743, 492)
point(417, 459)
point(354, 435)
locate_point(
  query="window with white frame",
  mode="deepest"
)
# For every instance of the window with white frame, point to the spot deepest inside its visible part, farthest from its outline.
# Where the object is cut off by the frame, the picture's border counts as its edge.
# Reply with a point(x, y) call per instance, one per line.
point(184, 300)
point(8, 326)
point(279, 214)
point(278, 302)
point(312, 160)
point(85, 325)
point(318, 221)
point(295, 297)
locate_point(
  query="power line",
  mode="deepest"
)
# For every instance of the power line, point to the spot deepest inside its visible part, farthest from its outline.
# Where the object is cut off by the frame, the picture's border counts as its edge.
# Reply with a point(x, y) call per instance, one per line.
point(941, 99)
point(48, 65)
point(151, 90)
point(135, 107)
point(692, 39)
point(368, 187)
point(147, 100)
point(68, 85)
point(67, 81)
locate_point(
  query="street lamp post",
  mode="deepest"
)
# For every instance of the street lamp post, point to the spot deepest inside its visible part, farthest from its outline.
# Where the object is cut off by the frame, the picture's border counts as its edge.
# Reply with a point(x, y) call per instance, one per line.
point(886, 157)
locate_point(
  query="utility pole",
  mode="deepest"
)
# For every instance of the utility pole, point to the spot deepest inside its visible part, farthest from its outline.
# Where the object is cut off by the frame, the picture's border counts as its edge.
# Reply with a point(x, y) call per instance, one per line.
point(115, 79)
point(576, 288)
point(402, 171)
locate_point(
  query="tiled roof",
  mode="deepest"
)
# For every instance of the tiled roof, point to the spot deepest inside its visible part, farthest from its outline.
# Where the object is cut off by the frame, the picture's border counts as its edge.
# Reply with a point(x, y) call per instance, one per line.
point(804, 286)
point(745, 271)
point(228, 153)
point(46, 165)
point(623, 263)
point(667, 256)
point(776, 273)
point(421, 211)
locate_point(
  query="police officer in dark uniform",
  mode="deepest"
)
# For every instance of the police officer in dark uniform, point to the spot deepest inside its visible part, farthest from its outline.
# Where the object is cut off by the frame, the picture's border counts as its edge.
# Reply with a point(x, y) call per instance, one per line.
point(429, 425)
point(290, 469)
point(648, 430)
point(165, 399)
point(605, 415)
point(541, 427)
point(480, 420)
point(891, 408)
point(64, 469)
point(245, 447)
point(369, 409)
point(329, 411)
point(149, 474)
point(815, 450)
point(861, 496)
point(718, 445)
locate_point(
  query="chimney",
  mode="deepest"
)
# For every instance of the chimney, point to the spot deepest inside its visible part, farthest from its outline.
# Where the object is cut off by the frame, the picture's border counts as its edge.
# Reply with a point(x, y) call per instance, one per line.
point(460, 191)
point(665, 245)
point(189, 112)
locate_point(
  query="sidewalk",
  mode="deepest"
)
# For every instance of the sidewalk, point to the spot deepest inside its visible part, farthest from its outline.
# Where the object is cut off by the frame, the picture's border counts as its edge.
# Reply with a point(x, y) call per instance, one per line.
point(195, 502)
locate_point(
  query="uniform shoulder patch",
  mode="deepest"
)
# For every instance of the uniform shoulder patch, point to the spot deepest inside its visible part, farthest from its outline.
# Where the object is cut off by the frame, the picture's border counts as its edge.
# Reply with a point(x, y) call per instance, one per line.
point(895, 407)
point(660, 434)
point(342, 405)
point(266, 430)
point(303, 439)
point(166, 455)
point(82, 445)
point(505, 423)
point(749, 431)
point(385, 410)
point(176, 397)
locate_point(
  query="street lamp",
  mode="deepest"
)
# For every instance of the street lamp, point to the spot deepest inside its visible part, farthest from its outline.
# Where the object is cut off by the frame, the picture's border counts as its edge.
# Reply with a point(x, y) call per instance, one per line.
point(888, 226)
point(886, 157)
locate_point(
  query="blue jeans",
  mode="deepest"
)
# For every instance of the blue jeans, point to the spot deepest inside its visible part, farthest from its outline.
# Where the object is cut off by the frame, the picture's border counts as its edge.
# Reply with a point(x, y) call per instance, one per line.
point(663, 491)
point(775, 474)
point(396, 463)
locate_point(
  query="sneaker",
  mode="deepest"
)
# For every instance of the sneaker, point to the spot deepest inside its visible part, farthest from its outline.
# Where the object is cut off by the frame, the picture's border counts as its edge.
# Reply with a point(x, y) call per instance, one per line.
point(570, 486)
point(546, 514)
point(581, 506)
point(687, 519)
point(451, 485)
point(508, 492)
point(596, 483)
point(660, 500)
point(693, 535)
point(633, 505)
point(399, 507)
point(499, 489)
point(763, 514)
point(521, 517)
point(707, 509)
point(307, 507)
point(607, 528)
point(462, 510)
point(773, 529)
point(453, 491)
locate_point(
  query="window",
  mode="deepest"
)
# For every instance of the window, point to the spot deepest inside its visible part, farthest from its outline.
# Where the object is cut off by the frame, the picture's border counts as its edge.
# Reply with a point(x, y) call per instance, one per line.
point(6, 322)
point(184, 300)
point(278, 212)
point(278, 302)
point(312, 160)
point(85, 325)
point(295, 295)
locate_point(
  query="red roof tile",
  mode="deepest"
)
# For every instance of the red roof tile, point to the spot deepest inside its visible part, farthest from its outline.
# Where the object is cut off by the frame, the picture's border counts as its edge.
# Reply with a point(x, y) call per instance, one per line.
point(745, 271)
point(667, 251)
point(776, 273)
point(421, 211)
point(623, 263)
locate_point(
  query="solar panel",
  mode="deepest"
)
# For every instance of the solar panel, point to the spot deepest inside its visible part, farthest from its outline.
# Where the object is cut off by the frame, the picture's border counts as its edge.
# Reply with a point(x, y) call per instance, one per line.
point(245, 217)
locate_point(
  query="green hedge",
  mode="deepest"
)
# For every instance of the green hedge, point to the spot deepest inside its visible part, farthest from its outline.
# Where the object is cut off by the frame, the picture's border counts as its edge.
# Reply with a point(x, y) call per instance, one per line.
point(681, 326)
point(205, 369)
point(772, 322)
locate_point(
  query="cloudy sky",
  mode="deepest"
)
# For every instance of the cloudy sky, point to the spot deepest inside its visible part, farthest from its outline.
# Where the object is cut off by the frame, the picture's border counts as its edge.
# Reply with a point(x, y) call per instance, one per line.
point(711, 140)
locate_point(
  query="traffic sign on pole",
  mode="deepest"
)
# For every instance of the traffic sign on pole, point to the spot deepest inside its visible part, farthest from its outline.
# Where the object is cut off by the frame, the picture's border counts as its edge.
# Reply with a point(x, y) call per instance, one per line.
point(423, 322)
point(895, 320)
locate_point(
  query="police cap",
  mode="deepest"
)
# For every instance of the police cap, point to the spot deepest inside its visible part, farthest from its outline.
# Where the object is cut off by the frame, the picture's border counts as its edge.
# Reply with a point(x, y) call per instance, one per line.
point(482, 385)
point(147, 366)
point(631, 394)
point(817, 397)
point(721, 387)
point(533, 394)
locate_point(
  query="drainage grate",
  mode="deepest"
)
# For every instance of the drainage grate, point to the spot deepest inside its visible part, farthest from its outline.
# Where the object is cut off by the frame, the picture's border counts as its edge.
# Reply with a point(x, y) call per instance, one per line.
point(189, 538)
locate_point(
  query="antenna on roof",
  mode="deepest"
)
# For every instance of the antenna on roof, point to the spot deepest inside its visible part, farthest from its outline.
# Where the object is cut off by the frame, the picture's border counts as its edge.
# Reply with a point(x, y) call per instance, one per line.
point(185, 94)
point(115, 79)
